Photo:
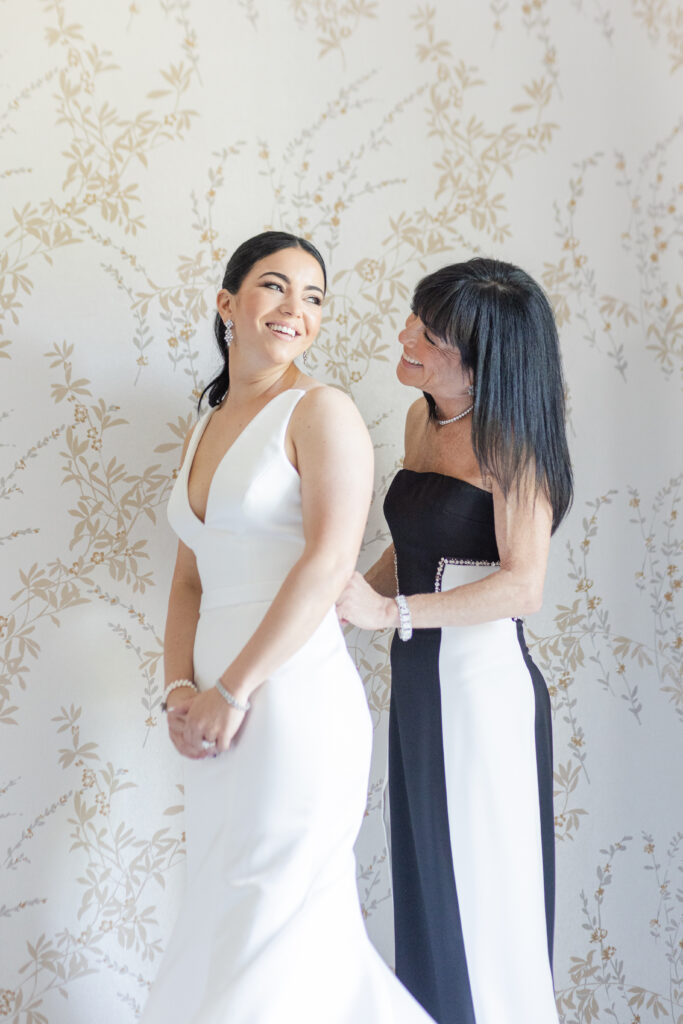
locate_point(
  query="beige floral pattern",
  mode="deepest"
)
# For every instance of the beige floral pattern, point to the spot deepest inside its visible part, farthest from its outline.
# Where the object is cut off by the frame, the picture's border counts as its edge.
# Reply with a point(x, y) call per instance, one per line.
point(651, 236)
point(138, 144)
point(663, 20)
point(334, 22)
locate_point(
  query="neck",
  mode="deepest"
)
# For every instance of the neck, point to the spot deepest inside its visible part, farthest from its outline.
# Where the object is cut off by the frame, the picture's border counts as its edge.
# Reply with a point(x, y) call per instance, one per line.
point(447, 407)
point(249, 384)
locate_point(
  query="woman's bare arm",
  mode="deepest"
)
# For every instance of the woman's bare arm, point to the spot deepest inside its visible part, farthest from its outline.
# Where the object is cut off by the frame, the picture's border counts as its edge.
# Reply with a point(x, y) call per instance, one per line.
point(523, 536)
point(335, 459)
point(522, 523)
point(382, 575)
point(182, 617)
point(181, 625)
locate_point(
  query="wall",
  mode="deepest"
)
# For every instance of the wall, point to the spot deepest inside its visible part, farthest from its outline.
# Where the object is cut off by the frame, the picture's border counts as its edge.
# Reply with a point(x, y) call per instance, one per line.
point(139, 143)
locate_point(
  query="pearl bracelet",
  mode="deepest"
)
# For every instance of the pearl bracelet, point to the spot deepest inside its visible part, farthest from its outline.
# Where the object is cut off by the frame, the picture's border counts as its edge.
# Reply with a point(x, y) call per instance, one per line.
point(232, 701)
point(175, 685)
point(405, 623)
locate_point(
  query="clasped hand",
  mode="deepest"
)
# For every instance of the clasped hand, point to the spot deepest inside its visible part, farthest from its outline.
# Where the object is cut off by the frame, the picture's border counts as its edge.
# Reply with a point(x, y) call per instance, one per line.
point(362, 606)
point(204, 718)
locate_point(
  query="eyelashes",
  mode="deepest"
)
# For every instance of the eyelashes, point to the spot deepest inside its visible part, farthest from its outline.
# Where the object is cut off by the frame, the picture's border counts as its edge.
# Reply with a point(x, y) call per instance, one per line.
point(316, 300)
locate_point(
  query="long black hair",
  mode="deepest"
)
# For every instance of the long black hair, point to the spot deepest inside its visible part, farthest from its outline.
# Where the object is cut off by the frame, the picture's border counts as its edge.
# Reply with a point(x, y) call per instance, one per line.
point(237, 268)
point(501, 322)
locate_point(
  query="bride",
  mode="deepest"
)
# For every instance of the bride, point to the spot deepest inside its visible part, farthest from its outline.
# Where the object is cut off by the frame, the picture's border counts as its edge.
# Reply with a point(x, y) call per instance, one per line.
point(263, 700)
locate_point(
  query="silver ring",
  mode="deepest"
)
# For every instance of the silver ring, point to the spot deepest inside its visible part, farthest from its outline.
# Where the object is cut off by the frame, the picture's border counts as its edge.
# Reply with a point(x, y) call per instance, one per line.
point(208, 744)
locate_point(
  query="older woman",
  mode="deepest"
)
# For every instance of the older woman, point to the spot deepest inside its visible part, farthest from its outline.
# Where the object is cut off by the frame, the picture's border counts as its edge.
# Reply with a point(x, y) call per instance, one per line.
point(486, 480)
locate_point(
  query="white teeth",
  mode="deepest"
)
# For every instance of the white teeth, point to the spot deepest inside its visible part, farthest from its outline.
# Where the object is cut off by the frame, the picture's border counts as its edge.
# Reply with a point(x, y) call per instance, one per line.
point(413, 362)
point(281, 329)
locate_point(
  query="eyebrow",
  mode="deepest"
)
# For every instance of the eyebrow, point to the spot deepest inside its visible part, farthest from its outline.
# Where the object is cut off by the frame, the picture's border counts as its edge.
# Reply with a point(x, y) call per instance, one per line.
point(283, 277)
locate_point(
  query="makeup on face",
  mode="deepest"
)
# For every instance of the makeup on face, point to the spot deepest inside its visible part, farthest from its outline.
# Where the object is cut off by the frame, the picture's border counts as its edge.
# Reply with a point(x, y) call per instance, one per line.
point(428, 363)
point(281, 298)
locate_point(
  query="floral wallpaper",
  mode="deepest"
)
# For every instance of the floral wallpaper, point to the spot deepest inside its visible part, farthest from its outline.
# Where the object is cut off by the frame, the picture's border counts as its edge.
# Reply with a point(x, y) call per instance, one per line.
point(139, 144)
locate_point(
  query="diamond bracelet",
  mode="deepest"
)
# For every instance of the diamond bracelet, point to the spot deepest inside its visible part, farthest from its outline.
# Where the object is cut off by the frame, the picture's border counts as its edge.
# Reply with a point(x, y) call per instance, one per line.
point(405, 623)
point(232, 701)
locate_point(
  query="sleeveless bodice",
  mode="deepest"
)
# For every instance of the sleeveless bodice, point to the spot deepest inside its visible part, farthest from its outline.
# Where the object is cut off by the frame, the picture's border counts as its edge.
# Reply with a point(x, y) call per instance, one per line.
point(252, 532)
point(434, 520)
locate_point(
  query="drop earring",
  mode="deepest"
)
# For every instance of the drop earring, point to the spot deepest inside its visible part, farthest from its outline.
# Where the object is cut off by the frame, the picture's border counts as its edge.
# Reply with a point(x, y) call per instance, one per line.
point(228, 332)
point(305, 357)
point(470, 390)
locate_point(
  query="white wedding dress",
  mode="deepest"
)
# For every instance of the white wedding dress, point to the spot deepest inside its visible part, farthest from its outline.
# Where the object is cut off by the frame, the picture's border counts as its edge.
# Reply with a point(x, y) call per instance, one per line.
point(270, 930)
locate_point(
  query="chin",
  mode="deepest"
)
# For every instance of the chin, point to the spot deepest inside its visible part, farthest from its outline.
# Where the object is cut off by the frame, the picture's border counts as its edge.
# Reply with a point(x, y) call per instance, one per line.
point(280, 353)
point(407, 377)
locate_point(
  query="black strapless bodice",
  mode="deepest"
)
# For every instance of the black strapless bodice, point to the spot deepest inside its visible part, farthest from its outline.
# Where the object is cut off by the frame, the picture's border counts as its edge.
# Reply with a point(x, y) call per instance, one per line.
point(431, 517)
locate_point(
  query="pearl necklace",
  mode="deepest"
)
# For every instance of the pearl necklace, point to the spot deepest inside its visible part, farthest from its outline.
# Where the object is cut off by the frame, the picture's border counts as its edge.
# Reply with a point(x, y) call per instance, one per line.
point(454, 419)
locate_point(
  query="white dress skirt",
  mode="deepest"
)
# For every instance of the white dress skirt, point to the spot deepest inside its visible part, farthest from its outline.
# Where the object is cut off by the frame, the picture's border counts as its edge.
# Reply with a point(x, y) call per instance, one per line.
point(270, 930)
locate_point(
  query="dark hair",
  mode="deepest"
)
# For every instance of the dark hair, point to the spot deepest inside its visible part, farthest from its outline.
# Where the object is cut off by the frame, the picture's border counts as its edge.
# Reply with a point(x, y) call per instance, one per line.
point(502, 324)
point(237, 268)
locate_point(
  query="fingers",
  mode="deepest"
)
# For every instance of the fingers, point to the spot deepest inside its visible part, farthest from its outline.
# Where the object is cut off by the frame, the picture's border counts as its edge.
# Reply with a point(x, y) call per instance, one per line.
point(198, 727)
point(349, 596)
point(344, 608)
point(178, 740)
point(176, 730)
point(188, 747)
point(204, 726)
point(206, 748)
point(178, 734)
point(227, 734)
point(182, 748)
point(223, 743)
point(205, 719)
point(181, 707)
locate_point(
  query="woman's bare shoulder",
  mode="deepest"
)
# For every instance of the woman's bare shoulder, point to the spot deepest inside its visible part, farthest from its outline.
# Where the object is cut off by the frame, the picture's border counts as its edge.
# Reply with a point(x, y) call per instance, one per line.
point(325, 420)
point(326, 400)
point(416, 418)
point(418, 413)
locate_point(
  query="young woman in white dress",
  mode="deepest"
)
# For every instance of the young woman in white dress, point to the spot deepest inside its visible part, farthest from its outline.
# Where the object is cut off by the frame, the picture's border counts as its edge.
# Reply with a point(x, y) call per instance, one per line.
point(263, 700)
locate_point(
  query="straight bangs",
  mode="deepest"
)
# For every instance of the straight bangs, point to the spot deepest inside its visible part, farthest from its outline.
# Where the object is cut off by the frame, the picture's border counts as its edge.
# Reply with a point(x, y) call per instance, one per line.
point(502, 324)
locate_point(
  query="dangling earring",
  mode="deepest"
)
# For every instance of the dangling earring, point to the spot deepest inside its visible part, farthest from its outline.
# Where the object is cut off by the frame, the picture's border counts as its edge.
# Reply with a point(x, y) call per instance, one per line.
point(470, 390)
point(228, 332)
point(305, 357)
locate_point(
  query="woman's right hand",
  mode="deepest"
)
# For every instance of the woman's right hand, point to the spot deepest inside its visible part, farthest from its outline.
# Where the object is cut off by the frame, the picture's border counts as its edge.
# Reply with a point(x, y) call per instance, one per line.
point(362, 606)
point(178, 705)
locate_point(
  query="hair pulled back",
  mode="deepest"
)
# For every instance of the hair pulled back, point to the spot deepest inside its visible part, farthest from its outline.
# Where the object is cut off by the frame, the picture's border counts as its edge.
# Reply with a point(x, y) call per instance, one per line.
point(237, 268)
point(501, 322)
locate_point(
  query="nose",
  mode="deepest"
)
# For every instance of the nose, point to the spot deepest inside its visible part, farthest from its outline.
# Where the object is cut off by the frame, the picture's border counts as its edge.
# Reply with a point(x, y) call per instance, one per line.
point(404, 335)
point(292, 304)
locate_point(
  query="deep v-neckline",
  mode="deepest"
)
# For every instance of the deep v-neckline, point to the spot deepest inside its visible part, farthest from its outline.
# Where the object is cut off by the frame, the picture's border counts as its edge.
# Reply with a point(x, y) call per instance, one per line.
point(189, 458)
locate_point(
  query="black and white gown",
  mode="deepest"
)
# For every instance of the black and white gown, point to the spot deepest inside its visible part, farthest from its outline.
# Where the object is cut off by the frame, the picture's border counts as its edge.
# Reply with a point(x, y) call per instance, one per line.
point(470, 779)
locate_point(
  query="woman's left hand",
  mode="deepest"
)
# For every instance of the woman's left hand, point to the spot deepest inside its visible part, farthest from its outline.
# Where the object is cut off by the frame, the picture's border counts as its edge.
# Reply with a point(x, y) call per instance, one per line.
point(364, 607)
point(211, 719)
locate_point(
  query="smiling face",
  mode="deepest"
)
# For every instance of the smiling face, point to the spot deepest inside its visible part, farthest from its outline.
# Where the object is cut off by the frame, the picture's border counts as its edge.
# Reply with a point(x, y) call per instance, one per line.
point(277, 311)
point(429, 364)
